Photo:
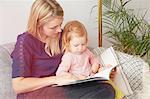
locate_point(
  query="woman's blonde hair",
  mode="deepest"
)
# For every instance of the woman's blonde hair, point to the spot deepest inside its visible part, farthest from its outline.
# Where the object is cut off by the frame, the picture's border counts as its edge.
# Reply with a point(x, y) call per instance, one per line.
point(43, 11)
point(75, 28)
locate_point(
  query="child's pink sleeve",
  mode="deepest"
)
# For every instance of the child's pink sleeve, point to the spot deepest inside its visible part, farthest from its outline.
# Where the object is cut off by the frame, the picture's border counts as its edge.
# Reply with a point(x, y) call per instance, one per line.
point(64, 65)
point(93, 58)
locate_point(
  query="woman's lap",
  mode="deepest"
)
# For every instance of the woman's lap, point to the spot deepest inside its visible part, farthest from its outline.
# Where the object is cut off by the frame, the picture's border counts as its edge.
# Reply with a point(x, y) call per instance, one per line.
point(90, 90)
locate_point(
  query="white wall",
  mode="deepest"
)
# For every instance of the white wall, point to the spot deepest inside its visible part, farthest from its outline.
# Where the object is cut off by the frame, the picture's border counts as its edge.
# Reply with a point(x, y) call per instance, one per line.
point(14, 17)
point(80, 10)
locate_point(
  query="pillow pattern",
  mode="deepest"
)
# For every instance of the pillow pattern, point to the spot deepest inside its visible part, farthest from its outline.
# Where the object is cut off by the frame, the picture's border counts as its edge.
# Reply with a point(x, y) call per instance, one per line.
point(146, 82)
point(132, 67)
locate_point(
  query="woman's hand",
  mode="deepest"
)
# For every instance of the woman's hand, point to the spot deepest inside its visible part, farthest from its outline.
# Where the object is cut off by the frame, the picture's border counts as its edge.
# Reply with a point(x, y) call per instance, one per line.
point(65, 78)
point(113, 73)
point(81, 77)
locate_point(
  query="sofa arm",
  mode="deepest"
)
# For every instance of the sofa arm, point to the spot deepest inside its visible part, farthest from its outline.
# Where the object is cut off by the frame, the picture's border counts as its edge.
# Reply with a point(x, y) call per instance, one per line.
point(6, 91)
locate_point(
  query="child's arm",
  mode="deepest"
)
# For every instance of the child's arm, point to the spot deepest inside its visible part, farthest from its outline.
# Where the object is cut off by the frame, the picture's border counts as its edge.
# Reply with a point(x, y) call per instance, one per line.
point(64, 67)
point(94, 62)
point(95, 67)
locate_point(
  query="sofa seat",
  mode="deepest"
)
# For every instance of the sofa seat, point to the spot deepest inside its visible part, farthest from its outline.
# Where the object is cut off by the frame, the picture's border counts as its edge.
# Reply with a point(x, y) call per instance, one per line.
point(6, 90)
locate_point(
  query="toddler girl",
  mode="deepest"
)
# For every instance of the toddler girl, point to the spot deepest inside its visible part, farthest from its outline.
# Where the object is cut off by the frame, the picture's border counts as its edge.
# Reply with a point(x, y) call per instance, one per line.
point(78, 61)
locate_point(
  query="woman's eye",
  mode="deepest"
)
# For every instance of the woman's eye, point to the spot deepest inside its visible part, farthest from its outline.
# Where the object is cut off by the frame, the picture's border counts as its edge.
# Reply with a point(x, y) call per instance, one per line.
point(55, 27)
point(52, 27)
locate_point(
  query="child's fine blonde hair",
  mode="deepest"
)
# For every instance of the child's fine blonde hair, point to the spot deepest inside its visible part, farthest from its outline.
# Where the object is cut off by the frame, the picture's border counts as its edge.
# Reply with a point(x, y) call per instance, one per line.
point(71, 29)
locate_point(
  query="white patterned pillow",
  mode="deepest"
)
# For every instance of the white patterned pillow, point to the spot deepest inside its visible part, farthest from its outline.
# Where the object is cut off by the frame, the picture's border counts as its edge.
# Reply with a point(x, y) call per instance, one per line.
point(146, 83)
point(132, 67)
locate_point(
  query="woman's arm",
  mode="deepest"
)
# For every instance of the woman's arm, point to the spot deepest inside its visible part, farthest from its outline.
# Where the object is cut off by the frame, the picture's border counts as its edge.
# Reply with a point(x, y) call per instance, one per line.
point(22, 85)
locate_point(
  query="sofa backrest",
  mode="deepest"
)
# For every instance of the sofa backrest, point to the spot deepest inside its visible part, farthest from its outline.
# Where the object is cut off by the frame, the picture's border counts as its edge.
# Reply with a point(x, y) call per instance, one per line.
point(6, 90)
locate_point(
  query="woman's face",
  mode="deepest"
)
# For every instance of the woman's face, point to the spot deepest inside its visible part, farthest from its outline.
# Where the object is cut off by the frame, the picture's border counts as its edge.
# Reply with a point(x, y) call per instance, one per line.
point(53, 27)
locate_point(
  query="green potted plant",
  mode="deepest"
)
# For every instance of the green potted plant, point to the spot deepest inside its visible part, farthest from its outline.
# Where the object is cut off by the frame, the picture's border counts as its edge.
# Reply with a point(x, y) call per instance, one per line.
point(130, 33)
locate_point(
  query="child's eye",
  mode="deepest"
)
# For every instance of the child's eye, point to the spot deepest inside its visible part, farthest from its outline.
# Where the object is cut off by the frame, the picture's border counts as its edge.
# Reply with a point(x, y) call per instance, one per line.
point(76, 45)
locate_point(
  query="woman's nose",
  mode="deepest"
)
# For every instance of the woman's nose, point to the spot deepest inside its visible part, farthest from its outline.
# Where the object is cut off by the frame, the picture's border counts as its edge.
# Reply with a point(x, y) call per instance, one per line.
point(59, 29)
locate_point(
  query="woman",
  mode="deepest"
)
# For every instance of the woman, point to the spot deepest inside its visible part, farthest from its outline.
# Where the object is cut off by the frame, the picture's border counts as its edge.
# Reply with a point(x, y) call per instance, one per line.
point(37, 55)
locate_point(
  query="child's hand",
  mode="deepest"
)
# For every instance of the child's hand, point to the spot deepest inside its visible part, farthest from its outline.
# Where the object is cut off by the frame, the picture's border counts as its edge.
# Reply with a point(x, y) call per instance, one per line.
point(100, 69)
point(95, 68)
point(64, 79)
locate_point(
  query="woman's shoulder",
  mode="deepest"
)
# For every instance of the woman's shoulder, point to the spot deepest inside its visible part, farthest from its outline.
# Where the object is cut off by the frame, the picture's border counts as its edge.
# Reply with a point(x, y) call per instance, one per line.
point(27, 38)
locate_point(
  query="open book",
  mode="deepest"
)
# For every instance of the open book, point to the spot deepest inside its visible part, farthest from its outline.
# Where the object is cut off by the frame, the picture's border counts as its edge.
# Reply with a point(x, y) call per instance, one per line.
point(103, 76)
point(108, 57)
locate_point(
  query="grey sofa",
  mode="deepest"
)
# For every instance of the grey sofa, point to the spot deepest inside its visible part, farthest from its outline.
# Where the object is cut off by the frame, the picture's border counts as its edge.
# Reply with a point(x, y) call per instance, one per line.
point(6, 90)
point(134, 71)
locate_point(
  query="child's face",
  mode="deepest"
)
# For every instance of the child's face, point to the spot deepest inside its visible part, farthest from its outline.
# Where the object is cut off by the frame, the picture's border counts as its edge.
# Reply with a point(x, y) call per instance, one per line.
point(78, 44)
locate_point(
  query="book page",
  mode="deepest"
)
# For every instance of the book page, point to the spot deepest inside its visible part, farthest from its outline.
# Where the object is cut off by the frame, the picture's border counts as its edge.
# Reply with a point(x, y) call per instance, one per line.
point(109, 57)
point(105, 73)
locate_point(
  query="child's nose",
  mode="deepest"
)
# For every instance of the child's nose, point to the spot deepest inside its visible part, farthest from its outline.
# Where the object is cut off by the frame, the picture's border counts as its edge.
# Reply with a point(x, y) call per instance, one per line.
point(80, 47)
